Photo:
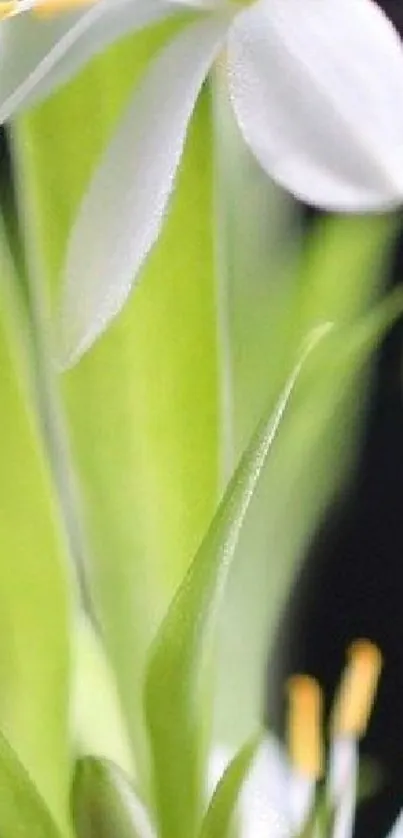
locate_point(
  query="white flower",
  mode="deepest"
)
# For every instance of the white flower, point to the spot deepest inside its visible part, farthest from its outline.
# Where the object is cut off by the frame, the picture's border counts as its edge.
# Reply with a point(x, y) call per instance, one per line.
point(279, 795)
point(316, 87)
point(275, 799)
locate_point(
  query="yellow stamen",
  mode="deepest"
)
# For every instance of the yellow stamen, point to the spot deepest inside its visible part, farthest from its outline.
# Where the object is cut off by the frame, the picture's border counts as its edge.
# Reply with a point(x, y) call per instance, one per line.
point(356, 694)
point(8, 8)
point(304, 725)
point(46, 8)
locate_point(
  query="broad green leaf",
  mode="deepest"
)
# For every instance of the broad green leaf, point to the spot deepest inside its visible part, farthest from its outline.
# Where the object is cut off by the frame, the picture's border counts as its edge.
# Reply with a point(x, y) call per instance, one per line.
point(105, 805)
point(175, 686)
point(23, 813)
point(222, 807)
point(142, 406)
point(34, 585)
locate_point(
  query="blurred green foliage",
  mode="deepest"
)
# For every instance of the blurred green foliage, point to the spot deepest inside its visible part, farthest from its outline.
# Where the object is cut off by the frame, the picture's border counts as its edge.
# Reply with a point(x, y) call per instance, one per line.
point(140, 440)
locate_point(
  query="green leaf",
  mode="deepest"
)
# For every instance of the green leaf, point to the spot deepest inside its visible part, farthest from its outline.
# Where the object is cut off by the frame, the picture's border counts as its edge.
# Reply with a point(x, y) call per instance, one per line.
point(221, 810)
point(22, 811)
point(175, 687)
point(34, 584)
point(105, 804)
point(142, 406)
point(344, 267)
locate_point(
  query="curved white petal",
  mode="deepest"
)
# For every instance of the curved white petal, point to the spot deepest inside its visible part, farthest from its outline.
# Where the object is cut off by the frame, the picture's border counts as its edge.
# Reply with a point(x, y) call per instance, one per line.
point(123, 210)
point(36, 55)
point(265, 796)
point(343, 784)
point(317, 87)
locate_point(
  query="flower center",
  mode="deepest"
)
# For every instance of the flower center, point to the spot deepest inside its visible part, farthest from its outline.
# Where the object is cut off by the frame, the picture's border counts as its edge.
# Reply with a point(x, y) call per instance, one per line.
point(356, 693)
point(352, 708)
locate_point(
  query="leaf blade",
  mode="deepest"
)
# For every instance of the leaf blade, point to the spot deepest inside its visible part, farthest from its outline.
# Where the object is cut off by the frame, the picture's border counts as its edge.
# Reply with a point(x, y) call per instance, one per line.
point(172, 690)
point(34, 584)
point(22, 811)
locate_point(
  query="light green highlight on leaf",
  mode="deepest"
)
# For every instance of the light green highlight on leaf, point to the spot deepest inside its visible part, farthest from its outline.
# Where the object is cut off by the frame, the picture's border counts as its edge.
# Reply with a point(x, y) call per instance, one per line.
point(98, 725)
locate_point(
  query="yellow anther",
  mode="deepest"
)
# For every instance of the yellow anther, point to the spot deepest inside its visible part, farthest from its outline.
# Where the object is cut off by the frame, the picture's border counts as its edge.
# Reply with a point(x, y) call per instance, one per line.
point(305, 743)
point(8, 8)
point(49, 8)
point(356, 693)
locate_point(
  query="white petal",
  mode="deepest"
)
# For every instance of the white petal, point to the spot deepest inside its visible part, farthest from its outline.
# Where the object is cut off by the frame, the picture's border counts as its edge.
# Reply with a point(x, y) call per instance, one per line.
point(37, 55)
point(301, 797)
point(317, 87)
point(397, 828)
point(264, 799)
point(343, 784)
point(124, 208)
